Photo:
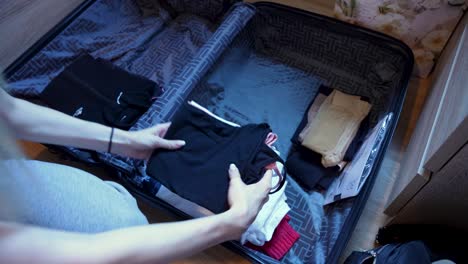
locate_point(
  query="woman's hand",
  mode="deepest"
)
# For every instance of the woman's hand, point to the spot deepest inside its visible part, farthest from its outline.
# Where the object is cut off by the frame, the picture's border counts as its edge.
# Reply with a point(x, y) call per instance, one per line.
point(245, 201)
point(140, 144)
point(41, 124)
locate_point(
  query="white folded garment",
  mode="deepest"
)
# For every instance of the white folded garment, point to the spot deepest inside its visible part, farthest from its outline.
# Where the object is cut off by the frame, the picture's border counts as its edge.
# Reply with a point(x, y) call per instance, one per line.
point(271, 214)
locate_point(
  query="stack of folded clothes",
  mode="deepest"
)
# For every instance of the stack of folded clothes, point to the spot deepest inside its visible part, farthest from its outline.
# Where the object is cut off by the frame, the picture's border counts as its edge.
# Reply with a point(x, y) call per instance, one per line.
point(328, 137)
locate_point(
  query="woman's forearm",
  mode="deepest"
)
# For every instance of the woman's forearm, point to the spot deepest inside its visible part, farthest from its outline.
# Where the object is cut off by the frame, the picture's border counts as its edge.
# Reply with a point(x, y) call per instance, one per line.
point(157, 243)
point(163, 243)
point(41, 124)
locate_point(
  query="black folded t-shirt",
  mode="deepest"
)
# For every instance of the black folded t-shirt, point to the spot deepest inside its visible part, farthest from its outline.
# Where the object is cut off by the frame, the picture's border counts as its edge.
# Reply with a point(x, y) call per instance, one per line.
point(199, 171)
point(97, 91)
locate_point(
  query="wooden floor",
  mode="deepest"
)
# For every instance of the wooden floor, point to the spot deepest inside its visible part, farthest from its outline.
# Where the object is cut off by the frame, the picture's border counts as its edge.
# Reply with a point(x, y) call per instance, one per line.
point(26, 20)
point(23, 22)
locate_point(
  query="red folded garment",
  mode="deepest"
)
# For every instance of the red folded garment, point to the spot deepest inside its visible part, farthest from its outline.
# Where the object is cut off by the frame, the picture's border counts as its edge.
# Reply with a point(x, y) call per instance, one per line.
point(283, 239)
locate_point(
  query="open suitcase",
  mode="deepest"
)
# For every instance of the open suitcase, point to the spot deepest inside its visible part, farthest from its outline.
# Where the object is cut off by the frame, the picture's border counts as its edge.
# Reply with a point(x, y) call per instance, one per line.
point(265, 59)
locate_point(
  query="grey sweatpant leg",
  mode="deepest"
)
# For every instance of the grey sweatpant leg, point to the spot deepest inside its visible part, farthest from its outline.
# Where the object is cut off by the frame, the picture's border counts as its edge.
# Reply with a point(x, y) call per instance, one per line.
point(65, 198)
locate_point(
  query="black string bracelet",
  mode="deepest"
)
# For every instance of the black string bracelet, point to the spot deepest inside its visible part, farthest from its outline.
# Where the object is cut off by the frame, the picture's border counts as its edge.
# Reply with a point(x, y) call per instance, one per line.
point(109, 147)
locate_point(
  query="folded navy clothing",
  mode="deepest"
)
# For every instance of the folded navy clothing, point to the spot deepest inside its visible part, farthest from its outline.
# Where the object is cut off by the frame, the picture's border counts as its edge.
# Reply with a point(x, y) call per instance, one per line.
point(199, 171)
point(305, 165)
point(97, 91)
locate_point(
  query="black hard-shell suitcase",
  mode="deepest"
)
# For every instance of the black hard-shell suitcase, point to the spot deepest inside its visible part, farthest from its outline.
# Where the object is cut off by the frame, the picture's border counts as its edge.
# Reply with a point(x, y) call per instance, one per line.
point(259, 62)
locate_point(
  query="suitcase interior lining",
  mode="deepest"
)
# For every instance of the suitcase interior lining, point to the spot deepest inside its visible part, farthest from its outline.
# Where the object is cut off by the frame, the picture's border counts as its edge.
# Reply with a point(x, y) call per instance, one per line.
point(247, 65)
point(268, 74)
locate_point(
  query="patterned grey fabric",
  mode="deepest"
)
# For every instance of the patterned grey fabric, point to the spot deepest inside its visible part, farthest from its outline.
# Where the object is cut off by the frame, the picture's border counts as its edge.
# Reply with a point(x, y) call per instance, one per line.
point(92, 33)
point(246, 64)
point(196, 67)
point(347, 62)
